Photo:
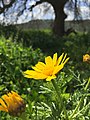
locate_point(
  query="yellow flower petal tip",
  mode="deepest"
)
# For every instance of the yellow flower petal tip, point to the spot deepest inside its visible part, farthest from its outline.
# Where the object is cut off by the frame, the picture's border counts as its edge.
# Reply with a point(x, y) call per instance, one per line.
point(49, 69)
point(86, 58)
point(12, 103)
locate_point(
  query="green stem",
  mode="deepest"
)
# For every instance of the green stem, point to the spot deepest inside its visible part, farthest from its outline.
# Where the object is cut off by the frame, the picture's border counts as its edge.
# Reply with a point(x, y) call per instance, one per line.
point(87, 85)
point(62, 106)
point(56, 89)
point(76, 108)
point(81, 100)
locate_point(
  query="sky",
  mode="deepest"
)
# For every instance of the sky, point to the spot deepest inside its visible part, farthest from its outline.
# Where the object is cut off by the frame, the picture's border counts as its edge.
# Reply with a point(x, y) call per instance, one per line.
point(39, 13)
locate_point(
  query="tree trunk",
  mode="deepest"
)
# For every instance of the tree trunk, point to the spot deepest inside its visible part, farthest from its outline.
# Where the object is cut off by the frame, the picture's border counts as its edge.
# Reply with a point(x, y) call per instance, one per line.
point(58, 26)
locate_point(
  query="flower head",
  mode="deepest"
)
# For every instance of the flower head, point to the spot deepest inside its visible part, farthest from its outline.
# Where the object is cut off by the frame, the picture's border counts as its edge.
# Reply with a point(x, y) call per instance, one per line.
point(12, 103)
point(47, 70)
point(86, 58)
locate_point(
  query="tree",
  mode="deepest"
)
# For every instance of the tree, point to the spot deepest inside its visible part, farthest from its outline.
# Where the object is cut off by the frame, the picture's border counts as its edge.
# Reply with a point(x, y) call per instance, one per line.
point(58, 6)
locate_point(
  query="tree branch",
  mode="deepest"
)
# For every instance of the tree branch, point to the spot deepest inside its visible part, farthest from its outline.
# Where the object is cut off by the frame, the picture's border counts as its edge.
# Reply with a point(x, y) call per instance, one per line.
point(37, 3)
point(24, 7)
point(2, 9)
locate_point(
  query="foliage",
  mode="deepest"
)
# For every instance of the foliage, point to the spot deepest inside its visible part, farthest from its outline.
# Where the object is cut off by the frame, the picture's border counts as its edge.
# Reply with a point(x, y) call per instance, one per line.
point(17, 55)
point(8, 31)
point(14, 59)
point(76, 45)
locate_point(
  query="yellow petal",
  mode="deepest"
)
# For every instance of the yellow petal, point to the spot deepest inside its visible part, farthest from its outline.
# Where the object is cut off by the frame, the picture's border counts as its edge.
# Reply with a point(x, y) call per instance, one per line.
point(40, 65)
point(14, 93)
point(66, 60)
point(57, 69)
point(29, 72)
point(3, 109)
point(54, 58)
point(28, 76)
point(9, 94)
point(3, 103)
point(6, 99)
point(48, 61)
point(60, 59)
point(40, 76)
point(36, 69)
point(34, 74)
point(16, 100)
point(49, 78)
point(12, 97)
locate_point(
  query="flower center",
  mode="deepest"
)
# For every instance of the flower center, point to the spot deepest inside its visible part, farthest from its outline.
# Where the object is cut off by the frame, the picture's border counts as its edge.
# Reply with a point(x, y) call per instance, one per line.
point(48, 70)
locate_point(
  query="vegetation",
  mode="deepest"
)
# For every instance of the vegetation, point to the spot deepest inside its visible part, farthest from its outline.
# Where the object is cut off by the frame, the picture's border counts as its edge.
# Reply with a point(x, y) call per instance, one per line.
point(20, 7)
point(22, 51)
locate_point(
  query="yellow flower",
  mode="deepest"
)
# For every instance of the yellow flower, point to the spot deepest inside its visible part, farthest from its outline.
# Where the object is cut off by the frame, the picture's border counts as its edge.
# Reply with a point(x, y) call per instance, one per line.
point(86, 58)
point(12, 103)
point(47, 70)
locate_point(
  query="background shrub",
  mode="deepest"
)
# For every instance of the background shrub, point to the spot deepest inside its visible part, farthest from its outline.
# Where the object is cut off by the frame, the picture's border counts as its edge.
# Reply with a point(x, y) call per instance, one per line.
point(21, 49)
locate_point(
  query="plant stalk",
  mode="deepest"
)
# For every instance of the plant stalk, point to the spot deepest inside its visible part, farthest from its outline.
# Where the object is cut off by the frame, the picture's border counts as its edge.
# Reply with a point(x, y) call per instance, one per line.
point(62, 106)
point(81, 100)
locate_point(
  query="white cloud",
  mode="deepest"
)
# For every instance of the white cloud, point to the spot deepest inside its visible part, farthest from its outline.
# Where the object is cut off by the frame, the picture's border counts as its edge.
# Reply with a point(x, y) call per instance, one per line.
point(38, 13)
point(85, 12)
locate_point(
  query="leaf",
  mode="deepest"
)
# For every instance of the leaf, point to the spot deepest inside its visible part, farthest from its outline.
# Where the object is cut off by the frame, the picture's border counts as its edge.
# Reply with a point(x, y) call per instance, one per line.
point(2, 87)
point(66, 95)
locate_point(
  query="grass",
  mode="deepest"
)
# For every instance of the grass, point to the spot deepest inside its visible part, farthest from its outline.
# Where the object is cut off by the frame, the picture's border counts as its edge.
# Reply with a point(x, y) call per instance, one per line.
point(18, 53)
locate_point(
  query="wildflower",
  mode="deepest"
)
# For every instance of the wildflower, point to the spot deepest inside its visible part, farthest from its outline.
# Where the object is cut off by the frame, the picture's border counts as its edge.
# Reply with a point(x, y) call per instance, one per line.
point(12, 103)
point(86, 58)
point(47, 70)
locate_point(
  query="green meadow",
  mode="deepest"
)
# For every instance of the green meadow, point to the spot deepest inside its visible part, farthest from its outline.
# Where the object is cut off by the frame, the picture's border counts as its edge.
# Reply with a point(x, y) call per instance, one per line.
point(67, 97)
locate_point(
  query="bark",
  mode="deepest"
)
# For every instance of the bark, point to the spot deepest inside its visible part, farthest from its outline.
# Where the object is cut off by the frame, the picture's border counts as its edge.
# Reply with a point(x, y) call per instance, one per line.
point(58, 6)
point(59, 22)
point(58, 27)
